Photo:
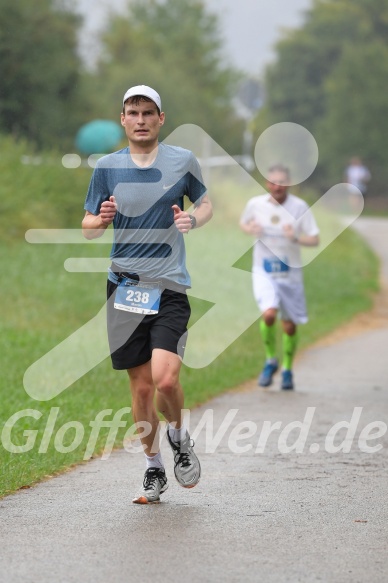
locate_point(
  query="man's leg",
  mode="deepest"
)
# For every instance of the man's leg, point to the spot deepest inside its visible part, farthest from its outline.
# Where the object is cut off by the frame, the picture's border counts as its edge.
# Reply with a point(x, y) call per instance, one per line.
point(143, 408)
point(170, 402)
point(144, 413)
point(165, 368)
point(268, 334)
point(289, 340)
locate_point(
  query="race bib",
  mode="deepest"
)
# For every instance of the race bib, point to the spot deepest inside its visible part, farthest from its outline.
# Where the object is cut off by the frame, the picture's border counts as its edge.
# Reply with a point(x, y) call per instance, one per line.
point(275, 266)
point(138, 296)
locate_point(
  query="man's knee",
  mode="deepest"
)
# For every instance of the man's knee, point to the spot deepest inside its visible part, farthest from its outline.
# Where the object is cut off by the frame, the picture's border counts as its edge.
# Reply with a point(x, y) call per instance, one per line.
point(167, 384)
point(269, 316)
point(289, 327)
point(143, 393)
point(141, 384)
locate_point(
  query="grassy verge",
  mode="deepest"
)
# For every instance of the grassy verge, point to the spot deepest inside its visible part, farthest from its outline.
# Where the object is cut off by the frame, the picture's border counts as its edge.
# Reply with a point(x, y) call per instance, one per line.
point(42, 304)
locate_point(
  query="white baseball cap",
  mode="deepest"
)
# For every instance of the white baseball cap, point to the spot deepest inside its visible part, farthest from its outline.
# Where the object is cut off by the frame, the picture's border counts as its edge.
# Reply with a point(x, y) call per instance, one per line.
point(145, 91)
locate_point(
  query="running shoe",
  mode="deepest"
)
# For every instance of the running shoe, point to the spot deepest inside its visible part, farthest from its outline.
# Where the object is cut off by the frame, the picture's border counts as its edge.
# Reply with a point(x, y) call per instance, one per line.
point(154, 484)
point(187, 468)
point(287, 382)
point(265, 378)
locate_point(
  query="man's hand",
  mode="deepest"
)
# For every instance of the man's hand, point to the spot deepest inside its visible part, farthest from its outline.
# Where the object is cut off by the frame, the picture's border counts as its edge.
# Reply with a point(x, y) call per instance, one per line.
point(108, 211)
point(305, 240)
point(94, 226)
point(252, 228)
point(289, 232)
point(181, 219)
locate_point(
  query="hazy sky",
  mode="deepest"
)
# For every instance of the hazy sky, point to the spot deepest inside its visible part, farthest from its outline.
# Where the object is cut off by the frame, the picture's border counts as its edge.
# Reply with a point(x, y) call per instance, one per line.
point(249, 27)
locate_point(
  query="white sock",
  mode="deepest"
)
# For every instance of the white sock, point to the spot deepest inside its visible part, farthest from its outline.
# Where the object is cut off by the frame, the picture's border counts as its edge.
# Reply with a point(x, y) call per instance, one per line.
point(154, 461)
point(176, 434)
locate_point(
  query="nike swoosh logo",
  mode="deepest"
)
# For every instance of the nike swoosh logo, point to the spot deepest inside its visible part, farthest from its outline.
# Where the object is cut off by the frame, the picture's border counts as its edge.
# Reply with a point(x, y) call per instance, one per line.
point(168, 187)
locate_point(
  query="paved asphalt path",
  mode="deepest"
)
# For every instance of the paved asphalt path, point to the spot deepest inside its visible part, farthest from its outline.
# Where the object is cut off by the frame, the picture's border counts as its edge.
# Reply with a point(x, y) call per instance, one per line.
point(271, 516)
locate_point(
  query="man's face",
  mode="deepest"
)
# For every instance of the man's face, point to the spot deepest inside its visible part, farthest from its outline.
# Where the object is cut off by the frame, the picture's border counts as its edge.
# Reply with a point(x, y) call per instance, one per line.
point(277, 185)
point(142, 123)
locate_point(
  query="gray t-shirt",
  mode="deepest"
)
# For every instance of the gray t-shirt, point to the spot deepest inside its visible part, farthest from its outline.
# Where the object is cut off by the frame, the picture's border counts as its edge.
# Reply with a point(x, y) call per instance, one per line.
point(146, 241)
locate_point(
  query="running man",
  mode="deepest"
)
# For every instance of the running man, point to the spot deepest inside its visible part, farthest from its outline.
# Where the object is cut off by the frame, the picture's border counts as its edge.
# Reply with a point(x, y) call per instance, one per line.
point(141, 190)
point(281, 223)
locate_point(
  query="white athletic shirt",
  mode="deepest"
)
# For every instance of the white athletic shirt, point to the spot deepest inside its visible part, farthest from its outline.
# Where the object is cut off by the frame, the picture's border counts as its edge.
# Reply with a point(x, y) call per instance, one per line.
point(358, 176)
point(274, 255)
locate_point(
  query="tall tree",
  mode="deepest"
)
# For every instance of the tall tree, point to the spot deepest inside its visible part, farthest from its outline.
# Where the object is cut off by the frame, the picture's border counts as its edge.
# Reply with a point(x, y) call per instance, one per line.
point(39, 70)
point(329, 76)
point(357, 112)
point(175, 47)
point(306, 56)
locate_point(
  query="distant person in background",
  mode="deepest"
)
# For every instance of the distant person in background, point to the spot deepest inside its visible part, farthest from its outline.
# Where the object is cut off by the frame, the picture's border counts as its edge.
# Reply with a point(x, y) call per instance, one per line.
point(357, 175)
point(281, 223)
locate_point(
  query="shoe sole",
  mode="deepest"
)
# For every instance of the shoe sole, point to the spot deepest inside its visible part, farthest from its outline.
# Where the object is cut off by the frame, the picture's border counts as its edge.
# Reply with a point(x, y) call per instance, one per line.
point(144, 500)
point(265, 384)
point(188, 486)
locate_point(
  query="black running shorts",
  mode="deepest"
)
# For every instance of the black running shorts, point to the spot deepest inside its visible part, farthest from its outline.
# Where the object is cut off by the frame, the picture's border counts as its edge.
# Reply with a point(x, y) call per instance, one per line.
point(132, 337)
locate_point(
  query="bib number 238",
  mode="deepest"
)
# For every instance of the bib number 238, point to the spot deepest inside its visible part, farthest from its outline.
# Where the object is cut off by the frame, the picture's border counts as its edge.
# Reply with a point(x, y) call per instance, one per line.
point(137, 297)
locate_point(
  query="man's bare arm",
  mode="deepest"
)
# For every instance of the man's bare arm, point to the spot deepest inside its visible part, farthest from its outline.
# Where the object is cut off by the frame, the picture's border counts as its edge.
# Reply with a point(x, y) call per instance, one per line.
point(202, 213)
point(308, 240)
point(251, 228)
point(94, 226)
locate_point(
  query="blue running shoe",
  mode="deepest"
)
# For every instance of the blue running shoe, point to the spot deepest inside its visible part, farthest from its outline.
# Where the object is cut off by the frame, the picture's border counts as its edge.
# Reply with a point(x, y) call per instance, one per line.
point(265, 379)
point(287, 382)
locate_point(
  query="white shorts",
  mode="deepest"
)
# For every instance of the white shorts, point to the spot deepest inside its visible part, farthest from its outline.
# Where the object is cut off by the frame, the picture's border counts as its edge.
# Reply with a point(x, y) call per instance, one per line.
point(288, 298)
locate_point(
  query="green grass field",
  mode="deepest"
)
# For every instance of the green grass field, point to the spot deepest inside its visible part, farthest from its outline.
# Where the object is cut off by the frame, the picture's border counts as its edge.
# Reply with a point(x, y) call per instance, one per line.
point(42, 304)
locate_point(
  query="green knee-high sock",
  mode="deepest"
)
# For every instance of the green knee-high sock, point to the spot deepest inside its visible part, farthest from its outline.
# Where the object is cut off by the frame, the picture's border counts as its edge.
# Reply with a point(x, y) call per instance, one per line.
point(268, 334)
point(289, 348)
